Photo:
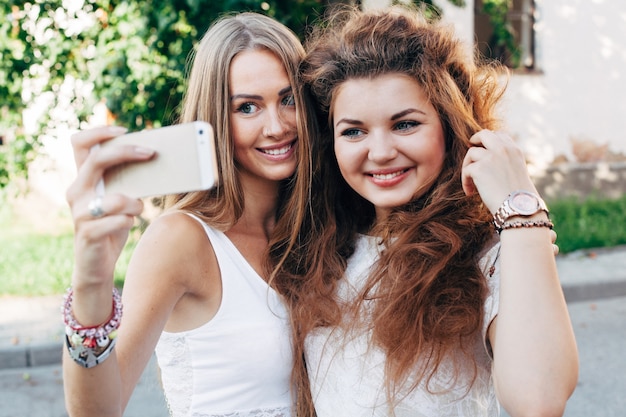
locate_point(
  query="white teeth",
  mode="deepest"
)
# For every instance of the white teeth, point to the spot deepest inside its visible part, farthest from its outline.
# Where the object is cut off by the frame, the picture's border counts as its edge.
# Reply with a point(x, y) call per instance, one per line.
point(280, 151)
point(386, 176)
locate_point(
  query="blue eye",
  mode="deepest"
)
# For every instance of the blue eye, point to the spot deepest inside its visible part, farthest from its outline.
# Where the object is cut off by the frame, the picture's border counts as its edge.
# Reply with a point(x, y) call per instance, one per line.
point(406, 125)
point(288, 101)
point(352, 133)
point(247, 108)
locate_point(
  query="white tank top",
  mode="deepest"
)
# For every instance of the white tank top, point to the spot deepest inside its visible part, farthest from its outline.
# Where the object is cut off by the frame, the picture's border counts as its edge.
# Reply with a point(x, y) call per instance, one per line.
point(346, 370)
point(239, 363)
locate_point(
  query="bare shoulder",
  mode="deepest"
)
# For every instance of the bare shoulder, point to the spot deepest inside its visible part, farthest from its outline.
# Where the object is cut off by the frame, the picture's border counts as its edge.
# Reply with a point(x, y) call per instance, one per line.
point(174, 245)
point(166, 270)
point(175, 226)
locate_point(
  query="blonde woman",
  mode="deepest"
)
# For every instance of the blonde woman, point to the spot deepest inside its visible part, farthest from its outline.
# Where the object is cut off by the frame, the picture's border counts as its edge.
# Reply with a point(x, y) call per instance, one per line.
point(196, 285)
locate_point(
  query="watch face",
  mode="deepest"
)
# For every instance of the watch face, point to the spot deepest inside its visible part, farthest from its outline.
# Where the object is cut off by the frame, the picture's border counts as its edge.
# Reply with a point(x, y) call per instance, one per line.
point(524, 203)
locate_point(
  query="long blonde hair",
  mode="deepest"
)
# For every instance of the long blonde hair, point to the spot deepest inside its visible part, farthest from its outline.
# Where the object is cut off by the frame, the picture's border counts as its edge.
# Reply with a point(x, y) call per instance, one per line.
point(207, 98)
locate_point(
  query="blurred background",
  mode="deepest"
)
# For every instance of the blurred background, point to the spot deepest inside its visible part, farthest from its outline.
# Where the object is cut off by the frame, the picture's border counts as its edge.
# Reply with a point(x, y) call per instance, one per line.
point(67, 65)
point(71, 64)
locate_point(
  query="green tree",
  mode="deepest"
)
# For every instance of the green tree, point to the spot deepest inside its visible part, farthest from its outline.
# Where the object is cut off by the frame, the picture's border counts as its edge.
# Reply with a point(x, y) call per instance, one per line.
point(65, 56)
point(502, 42)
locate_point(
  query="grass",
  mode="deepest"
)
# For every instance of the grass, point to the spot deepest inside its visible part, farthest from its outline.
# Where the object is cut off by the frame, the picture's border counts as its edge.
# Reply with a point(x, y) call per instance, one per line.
point(593, 223)
point(34, 263)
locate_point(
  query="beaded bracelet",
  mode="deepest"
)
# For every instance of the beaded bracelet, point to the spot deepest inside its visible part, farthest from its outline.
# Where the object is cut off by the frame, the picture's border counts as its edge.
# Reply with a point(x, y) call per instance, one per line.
point(89, 346)
point(527, 223)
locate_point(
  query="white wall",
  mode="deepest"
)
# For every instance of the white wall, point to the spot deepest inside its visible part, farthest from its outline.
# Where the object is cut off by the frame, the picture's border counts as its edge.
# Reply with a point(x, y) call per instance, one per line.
point(579, 87)
point(580, 90)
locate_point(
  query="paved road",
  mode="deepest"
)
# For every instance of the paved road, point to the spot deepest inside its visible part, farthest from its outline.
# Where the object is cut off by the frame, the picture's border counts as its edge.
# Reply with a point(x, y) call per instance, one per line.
point(600, 328)
point(601, 334)
point(38, 392)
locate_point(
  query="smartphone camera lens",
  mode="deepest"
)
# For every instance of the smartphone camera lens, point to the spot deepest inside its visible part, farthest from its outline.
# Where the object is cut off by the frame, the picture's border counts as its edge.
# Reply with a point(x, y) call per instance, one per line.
point(201, 132)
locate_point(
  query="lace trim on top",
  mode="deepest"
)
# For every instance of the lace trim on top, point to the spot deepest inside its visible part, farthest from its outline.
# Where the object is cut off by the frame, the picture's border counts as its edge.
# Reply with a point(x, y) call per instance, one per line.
point(178, 396)
point(265, 412)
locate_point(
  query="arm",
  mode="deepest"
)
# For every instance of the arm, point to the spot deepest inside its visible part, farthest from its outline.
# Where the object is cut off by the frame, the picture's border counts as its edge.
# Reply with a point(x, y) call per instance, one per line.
point(152, 289)
point(535, 365)
point(150, 293)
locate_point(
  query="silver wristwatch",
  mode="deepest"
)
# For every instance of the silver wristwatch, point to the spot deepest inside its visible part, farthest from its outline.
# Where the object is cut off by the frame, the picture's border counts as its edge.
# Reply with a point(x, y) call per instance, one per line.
point(519, 203)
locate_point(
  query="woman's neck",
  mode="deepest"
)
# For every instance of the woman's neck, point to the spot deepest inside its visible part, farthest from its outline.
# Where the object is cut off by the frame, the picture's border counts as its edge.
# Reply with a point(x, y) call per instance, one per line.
point(260, 205)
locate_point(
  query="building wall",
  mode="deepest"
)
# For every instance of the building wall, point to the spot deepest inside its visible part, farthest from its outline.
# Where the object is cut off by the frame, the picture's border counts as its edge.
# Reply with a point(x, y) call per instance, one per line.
point(578, 90)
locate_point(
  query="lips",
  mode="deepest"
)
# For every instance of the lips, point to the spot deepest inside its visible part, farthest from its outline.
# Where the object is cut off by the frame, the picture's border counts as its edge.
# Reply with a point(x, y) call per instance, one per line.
point(388, 175)
point(278, 152)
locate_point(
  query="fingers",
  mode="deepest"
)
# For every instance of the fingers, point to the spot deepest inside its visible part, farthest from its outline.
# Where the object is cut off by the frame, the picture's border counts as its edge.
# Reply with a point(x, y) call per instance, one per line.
point(494, 167)
point(101, 221)
point(553, 236)
point(83, 141)
point(92, 169)
point(92, 207)
point(93, 233)
point(555, 247)
point(473, 155)
point(92, 160)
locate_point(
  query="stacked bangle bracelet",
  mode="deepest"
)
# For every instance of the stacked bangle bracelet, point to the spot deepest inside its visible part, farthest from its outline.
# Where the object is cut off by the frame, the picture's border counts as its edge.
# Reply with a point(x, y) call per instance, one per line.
point(89, 346)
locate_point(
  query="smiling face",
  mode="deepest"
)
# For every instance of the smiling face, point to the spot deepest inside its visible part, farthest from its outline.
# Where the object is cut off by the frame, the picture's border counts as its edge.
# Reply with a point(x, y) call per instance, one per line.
point(262, 116)
point(389, 141)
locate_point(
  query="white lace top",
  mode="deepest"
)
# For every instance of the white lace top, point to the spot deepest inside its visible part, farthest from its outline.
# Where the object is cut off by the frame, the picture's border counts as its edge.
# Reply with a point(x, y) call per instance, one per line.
point(239, 363)
point(346, 373)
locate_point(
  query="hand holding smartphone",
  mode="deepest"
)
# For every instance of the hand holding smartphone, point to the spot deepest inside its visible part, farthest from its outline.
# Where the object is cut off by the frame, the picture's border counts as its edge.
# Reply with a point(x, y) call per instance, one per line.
point(185, 161)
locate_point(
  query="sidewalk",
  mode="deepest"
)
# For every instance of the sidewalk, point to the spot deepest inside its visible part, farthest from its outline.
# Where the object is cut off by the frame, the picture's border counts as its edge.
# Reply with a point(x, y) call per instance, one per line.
point(31, 332)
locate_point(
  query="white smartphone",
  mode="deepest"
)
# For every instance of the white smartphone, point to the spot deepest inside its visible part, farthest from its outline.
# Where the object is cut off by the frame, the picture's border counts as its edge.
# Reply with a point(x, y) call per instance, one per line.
point(185, 161)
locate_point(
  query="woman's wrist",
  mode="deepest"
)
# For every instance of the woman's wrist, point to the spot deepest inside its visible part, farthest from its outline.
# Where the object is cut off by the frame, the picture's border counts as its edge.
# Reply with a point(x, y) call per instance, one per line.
point(525, 224)
point(91, 304)
point(90, 345)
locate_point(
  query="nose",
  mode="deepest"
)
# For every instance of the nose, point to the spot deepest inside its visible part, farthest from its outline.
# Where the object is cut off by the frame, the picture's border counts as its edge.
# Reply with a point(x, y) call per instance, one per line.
point(382, 147)
point(276, 125)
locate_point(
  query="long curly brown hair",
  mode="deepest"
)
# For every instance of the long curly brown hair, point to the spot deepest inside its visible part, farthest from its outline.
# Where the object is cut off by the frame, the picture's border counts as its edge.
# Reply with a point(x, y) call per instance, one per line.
point(427, 286)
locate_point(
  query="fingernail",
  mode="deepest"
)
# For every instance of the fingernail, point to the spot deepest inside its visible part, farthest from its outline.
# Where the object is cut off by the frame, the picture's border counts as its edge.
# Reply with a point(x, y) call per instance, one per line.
point(117, 130)
point(144, 151)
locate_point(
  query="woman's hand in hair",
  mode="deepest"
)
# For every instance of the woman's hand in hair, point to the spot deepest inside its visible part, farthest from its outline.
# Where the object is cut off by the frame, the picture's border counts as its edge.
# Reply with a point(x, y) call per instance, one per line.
point(494, 167)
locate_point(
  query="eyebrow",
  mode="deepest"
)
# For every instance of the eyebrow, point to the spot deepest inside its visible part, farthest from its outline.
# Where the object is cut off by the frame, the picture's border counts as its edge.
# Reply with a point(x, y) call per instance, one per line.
point(349, 121)
point(405, 112)
point(393, 117)
point(282, 92)
point(246, 96)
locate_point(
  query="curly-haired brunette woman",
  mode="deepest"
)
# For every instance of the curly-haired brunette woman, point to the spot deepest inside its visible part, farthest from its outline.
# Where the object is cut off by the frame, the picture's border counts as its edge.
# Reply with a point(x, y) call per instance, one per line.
point(405, 300)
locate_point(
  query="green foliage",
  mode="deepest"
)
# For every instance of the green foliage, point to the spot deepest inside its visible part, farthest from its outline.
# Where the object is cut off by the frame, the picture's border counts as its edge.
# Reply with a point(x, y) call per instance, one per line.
point(18, 149)
point(62, 58)
point(593, 223)
point(130, 54)
point(431, 10)
point(502, 41)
